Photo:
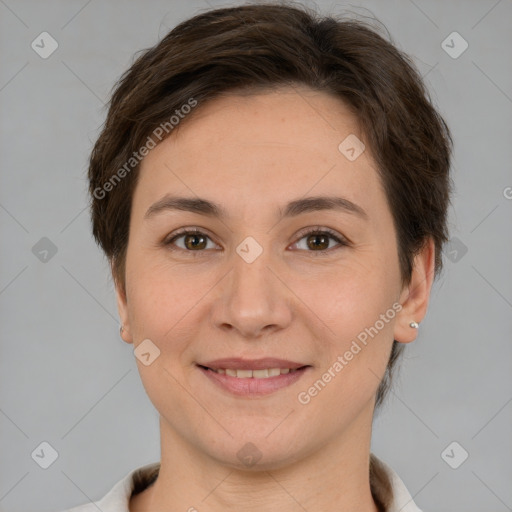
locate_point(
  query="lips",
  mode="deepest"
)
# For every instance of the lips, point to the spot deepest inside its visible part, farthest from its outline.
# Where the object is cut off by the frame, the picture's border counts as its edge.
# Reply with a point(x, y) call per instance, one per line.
point(253, 378)
point(251, 364)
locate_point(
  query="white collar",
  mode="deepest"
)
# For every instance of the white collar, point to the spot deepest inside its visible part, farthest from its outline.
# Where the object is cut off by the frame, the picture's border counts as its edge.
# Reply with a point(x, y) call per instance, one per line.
point(118, 498)
point(402, 500)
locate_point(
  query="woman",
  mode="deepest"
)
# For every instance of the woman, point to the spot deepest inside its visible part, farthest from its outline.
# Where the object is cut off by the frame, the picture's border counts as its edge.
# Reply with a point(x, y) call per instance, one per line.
point(271, 189)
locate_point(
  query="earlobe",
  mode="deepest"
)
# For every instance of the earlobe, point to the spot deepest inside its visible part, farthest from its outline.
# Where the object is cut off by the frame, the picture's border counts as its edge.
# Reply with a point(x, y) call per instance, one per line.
point(124, 334)
point(415, 296)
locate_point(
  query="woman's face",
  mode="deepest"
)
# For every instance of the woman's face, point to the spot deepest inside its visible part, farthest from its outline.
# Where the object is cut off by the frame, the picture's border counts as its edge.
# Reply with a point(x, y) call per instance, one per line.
point(271, 275)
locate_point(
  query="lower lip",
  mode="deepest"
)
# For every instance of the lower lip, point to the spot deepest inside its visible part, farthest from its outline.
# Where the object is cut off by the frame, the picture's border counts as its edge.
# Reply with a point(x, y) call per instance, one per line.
point(252, 386)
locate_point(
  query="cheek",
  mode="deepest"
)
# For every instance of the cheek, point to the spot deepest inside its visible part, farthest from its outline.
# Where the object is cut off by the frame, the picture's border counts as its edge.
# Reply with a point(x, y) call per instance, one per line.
point(160, 312)
point(351, 297)
point(356, 303)
point(355, 360)
point(156, 290)
point(166, 305)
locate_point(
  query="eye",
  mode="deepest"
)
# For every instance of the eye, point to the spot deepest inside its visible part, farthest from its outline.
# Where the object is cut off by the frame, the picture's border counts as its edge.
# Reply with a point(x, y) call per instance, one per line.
point(318, 240)
point(193, 240)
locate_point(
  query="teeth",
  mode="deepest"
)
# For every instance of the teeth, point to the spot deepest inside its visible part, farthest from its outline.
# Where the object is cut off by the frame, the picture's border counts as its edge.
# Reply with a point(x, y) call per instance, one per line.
point(256, 374)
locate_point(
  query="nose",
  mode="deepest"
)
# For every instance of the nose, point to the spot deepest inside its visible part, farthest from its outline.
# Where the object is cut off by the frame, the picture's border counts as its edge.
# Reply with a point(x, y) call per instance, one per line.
point(252, 300)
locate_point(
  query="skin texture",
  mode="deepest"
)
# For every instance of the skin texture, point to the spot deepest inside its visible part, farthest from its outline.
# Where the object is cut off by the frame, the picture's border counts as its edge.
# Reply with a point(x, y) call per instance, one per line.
point(253, 154)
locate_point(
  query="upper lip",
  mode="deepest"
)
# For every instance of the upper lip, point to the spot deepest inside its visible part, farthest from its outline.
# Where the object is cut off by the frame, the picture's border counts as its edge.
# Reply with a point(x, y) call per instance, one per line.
point(235, 363)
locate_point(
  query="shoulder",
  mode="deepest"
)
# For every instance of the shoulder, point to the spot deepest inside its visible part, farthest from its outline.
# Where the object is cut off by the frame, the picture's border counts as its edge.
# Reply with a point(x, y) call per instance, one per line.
point(118, 498)
point(401, 500)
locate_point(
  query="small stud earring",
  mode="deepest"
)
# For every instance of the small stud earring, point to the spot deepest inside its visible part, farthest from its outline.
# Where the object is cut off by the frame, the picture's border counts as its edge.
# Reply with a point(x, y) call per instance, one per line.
point(414, 325)
point(121, 329)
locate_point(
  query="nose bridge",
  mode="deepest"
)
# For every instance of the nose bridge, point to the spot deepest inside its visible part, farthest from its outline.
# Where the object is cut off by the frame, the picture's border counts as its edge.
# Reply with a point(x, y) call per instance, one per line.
point(253, 299)
point(252, 284)
point(251, 273)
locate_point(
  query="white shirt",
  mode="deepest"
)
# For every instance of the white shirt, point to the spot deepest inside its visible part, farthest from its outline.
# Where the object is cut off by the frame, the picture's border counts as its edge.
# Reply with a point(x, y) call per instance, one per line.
point(118, 498)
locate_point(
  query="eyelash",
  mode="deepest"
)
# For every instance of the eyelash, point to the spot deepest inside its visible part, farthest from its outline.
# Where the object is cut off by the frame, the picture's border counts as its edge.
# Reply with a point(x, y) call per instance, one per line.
point(312, 231)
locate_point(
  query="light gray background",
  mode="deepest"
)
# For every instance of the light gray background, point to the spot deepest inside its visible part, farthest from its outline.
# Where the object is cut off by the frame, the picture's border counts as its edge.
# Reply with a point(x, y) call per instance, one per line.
point(68, 379)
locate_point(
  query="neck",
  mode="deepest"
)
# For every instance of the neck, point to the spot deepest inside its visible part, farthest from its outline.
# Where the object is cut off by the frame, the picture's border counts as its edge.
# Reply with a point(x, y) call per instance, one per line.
point(333, 478)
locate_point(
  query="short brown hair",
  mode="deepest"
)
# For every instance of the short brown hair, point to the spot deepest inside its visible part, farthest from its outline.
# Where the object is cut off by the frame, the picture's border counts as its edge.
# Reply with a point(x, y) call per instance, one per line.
point(262, 46)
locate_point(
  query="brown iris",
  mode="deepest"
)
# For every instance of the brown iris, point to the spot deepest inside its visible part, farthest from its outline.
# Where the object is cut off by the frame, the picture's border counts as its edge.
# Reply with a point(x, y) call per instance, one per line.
point(324, 244)
point(191, 241)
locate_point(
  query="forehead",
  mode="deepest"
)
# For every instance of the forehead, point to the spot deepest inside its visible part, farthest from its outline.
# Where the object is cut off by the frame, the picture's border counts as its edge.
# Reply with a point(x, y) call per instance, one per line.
point(257, 148)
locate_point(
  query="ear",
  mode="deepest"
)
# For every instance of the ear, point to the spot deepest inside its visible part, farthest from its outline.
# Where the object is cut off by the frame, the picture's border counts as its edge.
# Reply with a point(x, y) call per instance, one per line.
point(414, 297)
point(122, 307)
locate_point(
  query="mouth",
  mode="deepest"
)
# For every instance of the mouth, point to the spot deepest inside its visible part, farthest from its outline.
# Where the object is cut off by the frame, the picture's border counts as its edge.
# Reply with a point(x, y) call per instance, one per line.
point(243, 377)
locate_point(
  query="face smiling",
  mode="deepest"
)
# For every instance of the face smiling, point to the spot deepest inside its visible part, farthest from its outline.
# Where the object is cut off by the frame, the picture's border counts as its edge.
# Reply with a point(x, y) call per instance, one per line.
point(252, 310)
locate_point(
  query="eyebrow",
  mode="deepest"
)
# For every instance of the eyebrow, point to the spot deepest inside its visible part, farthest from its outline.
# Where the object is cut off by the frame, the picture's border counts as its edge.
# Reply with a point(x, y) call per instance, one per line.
point(292, 209)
